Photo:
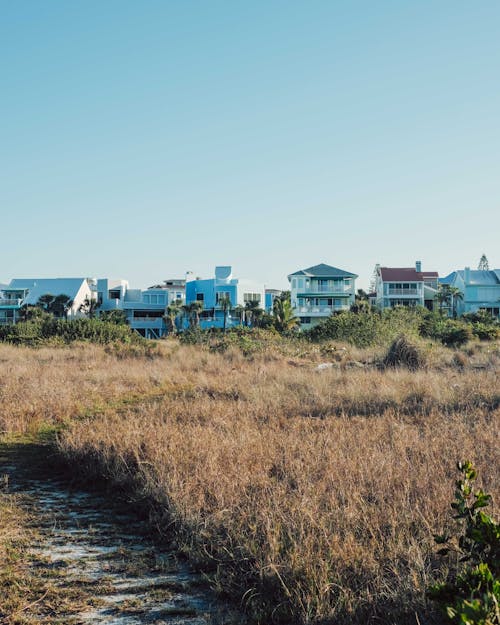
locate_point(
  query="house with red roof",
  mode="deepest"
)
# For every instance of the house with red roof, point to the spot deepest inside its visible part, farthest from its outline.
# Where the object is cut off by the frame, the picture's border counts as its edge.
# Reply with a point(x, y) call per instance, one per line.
point(405, 286)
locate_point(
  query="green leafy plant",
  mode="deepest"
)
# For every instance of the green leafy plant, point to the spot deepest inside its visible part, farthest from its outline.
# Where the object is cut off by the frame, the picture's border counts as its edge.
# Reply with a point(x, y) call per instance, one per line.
point(471, 595)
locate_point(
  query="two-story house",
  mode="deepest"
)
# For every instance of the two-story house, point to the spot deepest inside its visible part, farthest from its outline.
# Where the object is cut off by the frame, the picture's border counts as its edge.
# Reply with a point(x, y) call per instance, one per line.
point(480, 290)
point(318, 291)
point(212, 291)
point(405, 286)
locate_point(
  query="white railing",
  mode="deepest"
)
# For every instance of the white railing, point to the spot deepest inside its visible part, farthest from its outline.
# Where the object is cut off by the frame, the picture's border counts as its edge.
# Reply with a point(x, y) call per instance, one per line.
point(7, 301)
point(412, 292)
point(326, 288)
point(320, 310)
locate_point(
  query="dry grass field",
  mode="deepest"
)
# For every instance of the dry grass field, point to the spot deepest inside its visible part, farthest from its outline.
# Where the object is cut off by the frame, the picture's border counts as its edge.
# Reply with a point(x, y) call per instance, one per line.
point(309, 495)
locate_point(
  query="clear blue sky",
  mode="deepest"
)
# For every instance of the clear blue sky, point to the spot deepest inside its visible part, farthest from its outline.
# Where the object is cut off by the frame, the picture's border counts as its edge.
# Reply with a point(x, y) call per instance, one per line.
point(144, 139)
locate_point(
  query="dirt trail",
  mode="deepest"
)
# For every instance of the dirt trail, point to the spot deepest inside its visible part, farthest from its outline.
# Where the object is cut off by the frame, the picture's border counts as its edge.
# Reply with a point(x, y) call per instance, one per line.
point(102, 564)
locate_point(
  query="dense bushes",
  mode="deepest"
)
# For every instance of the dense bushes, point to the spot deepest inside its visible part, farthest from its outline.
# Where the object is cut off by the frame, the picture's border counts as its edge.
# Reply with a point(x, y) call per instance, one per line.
point(59, 330)
point(380, 328)
point(371, 328)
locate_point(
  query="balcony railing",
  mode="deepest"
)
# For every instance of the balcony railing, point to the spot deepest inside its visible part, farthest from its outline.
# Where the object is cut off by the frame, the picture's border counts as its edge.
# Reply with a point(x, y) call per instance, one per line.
point(6, 301)
point(412, 292)
point(326, 288)
point(319, 310)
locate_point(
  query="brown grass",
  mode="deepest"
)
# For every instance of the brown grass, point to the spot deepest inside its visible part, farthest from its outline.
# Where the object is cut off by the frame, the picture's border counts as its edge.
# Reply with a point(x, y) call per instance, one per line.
point(312, 495)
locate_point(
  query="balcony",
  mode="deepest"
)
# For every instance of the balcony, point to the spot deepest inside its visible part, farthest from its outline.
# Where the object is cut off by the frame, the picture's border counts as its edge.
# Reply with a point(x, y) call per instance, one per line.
point(146, 322)
point(10, 301)
point(325, 289)
point(399, 292)
point(321, 311)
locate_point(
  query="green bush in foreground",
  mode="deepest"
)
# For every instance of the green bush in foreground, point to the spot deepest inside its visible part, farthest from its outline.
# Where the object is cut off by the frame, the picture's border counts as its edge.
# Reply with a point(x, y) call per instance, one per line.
point(33, 333)
point(472, 596)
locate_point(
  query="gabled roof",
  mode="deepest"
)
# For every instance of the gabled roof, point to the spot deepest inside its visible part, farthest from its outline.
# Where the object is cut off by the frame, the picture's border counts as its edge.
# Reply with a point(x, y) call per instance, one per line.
point(449, 279)
point(323, 271)
point(478, 277)
point(401, 274)
point(43, 286)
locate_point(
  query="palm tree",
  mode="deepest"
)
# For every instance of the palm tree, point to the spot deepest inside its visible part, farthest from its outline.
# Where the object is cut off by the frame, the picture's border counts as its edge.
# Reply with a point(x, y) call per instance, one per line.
point(284, 319)
point(240, 313)
point(361, 302)
point(253, 312)
point(89, 307)
point(171, 314)
point(443, 296)
point(224, 303)
point(58, 305)
point(61, 306)
point(192, 312)
point(45, 301)
point(456, 296)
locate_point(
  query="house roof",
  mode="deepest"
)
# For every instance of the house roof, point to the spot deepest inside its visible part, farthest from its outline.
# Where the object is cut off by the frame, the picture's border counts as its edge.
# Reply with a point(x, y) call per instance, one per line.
point(405, 274)
point(323, 271)
point(43, 286)
point(401, 274)
point(449, 279)
point(478, 277)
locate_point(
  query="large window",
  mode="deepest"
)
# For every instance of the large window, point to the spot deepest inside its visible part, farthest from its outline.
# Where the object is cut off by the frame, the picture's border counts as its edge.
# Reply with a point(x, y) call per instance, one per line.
point(222, 295)
point(251, 297)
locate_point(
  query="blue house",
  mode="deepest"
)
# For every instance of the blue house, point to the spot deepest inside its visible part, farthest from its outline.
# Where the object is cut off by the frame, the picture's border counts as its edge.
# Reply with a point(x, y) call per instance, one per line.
point(480, 290)
point(210, 291)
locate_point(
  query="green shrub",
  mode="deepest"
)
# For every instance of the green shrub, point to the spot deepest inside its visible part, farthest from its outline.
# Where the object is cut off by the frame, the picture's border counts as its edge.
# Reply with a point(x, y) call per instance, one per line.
point(453, 333)
point(471, 595)
point(371, 328)
point(485, 332)
point(33, 333)
point(481, 316)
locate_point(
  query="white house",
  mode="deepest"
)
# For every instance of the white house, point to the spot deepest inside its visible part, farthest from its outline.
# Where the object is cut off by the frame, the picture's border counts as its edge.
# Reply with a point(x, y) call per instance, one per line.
point(405, 286)
point(144, 309)
point(27, 291)
point(318, 291)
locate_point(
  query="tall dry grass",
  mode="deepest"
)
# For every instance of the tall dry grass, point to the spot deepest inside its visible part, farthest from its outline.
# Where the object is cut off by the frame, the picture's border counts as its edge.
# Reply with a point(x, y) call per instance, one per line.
point(312, 495)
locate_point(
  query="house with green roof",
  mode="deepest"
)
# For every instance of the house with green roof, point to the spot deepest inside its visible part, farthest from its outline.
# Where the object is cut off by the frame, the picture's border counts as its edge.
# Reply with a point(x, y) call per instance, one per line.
point(319, 291)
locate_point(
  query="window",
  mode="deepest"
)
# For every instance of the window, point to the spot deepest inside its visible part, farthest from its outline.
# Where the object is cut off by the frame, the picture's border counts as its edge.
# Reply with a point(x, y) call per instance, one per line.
point(222, 294)
point(300, 283)
point(251, 297)
point(114, 294)
point(200, 297)
point(305, 319)
point(294, 283)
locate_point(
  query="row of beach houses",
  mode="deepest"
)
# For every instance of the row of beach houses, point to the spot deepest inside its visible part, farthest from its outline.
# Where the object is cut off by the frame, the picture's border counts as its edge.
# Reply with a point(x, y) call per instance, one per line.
point(316, 293)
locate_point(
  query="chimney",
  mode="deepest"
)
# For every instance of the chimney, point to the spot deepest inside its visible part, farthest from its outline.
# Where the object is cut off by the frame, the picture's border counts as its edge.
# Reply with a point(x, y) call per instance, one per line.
point(467, 275)
point(418, 265)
